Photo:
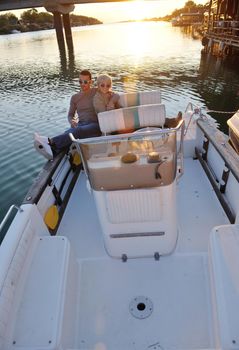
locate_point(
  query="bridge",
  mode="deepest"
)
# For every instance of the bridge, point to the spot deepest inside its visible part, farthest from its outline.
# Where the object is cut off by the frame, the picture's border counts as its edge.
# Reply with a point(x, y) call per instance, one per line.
point(60, 10)
point(7, 5)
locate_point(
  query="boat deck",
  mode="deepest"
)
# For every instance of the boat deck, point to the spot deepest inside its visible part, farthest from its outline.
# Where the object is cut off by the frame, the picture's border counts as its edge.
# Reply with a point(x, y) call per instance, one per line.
point(175, 290)
point(198, 212)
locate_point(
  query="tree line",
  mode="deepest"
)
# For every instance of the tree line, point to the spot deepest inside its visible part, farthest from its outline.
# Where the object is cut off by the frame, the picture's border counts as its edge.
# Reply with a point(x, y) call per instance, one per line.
point(189, 7)
point(32, 20)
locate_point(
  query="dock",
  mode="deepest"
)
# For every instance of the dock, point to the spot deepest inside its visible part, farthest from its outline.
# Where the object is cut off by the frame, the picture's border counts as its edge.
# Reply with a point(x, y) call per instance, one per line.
point(221, 36)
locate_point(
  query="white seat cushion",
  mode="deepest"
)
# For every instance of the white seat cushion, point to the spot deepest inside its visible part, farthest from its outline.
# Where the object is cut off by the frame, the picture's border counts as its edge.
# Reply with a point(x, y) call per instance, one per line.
point(132, 118)
point(139, 98)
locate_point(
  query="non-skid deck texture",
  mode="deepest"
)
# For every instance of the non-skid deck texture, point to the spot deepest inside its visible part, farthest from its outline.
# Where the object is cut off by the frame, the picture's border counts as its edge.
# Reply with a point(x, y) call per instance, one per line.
point(198, 212)
point(177, 284)
point(198, 209)
point(177, 288)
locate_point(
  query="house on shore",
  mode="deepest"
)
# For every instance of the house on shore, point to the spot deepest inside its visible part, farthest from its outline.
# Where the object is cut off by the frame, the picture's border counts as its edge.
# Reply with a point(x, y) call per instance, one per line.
point(187, 19)
point(222, 22)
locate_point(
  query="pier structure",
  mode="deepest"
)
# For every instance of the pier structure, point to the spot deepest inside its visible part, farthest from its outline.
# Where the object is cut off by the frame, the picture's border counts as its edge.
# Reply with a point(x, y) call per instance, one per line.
point(61, 15)
point(222, 34)
point(60, 9)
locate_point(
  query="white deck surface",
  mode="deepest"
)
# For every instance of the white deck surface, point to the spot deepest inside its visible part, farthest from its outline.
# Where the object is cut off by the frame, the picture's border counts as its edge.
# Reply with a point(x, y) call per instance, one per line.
point(177, 284)
point(198, 212)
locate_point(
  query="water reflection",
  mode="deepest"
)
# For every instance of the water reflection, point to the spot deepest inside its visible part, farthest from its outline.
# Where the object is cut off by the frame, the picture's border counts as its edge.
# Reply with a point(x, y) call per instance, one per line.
point(37, 81)
point(218, 84)
point(67, 63)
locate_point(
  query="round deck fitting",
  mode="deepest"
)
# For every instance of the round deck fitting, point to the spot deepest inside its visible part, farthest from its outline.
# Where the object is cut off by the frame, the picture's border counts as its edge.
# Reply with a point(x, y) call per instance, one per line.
point(141, 307)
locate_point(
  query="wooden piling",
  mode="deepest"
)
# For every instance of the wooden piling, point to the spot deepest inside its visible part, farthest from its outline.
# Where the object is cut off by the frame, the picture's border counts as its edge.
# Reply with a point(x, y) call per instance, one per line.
point(59, 32)
point(68, 32)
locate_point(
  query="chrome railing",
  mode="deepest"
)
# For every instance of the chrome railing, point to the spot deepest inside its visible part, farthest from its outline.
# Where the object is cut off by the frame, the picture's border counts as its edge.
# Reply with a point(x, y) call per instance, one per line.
point(9, 212)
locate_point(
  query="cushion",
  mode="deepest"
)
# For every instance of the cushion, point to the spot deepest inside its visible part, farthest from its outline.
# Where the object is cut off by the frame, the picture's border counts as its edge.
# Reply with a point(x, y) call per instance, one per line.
point(132, 118)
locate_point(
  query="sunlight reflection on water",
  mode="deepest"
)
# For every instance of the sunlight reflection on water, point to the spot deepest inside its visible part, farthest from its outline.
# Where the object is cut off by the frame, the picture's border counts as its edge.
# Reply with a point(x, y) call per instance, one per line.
point(37, 83)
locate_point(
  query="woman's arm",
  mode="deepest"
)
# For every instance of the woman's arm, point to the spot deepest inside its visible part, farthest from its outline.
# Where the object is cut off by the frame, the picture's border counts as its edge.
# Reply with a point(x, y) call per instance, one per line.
point(113, 102)
point(99, 103)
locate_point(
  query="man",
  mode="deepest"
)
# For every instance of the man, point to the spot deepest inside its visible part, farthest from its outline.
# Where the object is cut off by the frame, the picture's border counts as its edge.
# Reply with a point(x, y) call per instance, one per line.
point(83, 126)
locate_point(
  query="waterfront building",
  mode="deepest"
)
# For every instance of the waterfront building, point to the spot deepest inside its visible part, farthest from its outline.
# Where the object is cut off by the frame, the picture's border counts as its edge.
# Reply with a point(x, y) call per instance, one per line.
point(222, 33)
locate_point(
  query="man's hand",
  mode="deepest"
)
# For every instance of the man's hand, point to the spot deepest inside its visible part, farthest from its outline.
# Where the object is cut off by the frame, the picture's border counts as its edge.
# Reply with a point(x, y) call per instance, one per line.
point(110, 106)
point(74, 123)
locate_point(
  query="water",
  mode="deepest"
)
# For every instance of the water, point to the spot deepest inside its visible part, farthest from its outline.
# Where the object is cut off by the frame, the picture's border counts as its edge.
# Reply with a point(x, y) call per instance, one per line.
point(37, 83)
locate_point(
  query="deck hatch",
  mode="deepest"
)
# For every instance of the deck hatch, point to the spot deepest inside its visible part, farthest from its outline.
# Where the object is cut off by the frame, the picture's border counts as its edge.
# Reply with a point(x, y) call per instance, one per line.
point(141, 307)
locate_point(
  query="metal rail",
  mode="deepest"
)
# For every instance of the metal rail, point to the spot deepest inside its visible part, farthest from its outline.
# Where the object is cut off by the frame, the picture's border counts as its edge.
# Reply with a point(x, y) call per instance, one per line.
point(230, 214)
point(6, 217)
point(220, 142)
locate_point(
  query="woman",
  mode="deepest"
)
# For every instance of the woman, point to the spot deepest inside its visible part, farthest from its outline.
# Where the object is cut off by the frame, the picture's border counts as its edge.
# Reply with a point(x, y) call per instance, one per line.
point(105, 99)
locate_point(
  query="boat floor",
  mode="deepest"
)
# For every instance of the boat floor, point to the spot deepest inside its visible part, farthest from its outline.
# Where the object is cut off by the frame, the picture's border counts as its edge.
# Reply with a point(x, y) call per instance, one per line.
point(174, 291)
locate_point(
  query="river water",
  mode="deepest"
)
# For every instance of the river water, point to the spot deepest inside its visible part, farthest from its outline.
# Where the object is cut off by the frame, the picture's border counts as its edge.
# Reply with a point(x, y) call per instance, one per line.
point(37, 83)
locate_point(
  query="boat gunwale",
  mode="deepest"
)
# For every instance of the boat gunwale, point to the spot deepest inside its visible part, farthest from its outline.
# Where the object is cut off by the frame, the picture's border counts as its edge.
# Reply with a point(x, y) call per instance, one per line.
point(43, 179)
point(220, 141)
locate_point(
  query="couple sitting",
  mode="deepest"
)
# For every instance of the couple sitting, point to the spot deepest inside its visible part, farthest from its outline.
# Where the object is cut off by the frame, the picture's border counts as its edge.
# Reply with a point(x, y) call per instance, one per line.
point(86, 103)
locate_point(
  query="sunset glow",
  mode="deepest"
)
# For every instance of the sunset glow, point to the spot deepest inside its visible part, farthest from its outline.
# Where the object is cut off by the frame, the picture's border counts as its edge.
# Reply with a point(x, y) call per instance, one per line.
point(129, 10)
point(137, 9)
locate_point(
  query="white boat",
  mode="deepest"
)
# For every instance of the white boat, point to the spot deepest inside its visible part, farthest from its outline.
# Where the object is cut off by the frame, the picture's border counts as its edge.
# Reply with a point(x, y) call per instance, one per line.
point(233, 124)
point(136, 249)
point(15, 31)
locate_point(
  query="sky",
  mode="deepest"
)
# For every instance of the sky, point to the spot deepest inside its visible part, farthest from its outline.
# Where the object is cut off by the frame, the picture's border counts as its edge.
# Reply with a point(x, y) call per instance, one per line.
point(129, 10)
point(112, 12)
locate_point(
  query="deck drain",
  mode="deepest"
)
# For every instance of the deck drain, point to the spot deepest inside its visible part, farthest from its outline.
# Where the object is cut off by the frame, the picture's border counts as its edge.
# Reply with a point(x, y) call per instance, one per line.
point(141, 307)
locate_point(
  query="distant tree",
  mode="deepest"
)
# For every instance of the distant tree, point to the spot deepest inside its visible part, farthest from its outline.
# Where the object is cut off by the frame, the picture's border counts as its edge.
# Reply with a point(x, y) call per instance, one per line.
point(8, 19)
point(44, 17)
point(33, 20)
point(8, 22)
point(77, 20)
point(190, 6)
point(29, 16)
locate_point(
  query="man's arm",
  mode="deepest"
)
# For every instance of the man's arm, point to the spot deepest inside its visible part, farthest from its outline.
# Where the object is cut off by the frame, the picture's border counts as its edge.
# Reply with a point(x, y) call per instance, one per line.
point(72, 118)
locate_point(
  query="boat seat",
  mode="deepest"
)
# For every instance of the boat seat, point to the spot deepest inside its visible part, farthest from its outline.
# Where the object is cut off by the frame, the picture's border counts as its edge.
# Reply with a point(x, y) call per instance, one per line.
point(133, 179)
point(43, 306)
point(41, 296)
point(224, 267)
point(15, 253)
point(132, 118)
point(131, 99)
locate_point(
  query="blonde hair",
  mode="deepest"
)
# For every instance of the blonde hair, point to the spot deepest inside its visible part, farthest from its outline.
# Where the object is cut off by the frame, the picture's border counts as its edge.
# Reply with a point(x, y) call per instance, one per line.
point(104, 78)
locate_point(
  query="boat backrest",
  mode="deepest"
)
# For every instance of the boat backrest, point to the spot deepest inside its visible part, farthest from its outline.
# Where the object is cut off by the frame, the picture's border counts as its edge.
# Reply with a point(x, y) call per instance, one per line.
point(132, 118)
point(131, 99)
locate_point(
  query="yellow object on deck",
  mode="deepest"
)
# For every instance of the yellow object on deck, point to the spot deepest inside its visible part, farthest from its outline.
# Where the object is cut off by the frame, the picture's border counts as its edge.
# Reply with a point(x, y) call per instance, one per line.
point(51, 217)
point(76, 159)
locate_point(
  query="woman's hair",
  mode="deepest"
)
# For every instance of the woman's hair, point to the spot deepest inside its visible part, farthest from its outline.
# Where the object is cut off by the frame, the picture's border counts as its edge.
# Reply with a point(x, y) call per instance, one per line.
point(104, 78)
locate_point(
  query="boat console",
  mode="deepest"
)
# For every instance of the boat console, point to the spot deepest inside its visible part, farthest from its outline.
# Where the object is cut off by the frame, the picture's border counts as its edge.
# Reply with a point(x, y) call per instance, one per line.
point(133, 179)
